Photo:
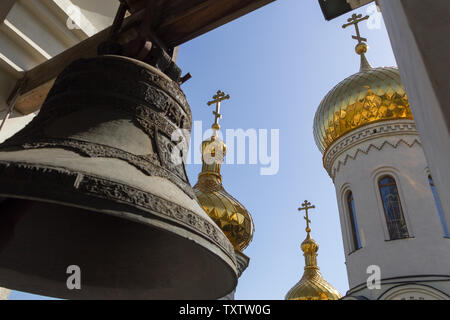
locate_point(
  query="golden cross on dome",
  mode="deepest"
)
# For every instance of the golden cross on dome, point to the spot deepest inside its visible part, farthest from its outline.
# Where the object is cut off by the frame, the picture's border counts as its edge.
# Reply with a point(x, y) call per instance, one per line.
point(354, 20)
point(306, 206)
point(218, 98)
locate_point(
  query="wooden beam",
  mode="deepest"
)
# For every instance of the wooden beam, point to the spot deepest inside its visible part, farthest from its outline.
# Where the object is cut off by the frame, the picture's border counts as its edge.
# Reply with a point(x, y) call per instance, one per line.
point(5, 7)
point(178, 21)
point(40, 79)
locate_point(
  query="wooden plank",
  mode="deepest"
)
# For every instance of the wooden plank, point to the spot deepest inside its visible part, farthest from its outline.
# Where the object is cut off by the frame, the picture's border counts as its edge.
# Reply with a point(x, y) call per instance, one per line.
point(177, 21)
point(32, 100)
point(184, 25)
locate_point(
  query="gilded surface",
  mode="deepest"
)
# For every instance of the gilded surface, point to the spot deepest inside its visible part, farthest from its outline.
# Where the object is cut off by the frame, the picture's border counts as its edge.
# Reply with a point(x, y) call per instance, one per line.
point(312, 286)
point(366, 97)
point(228, 213)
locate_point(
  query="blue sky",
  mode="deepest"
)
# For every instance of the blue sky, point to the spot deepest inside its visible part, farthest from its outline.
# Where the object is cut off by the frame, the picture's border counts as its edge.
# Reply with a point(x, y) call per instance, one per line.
point(277, 64)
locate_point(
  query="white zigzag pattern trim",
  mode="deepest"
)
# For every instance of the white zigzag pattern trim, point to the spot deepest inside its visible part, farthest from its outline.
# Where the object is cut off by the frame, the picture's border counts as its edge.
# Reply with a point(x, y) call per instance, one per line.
point(395, 129)
point(341, 163)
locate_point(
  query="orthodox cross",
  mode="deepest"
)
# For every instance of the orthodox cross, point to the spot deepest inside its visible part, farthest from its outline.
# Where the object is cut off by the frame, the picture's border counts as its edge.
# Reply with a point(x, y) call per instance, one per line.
point(354, 20)
point(218, 98)
point(306, 206)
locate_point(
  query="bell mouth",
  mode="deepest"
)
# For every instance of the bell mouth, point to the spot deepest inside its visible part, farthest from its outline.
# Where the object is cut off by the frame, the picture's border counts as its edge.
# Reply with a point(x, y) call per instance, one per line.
point(118, 258)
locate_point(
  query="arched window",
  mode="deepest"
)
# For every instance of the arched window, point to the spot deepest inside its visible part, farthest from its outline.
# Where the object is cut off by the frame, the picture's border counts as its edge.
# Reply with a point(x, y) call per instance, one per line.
point(393, 208)
point(353, 222)
point(438, 205)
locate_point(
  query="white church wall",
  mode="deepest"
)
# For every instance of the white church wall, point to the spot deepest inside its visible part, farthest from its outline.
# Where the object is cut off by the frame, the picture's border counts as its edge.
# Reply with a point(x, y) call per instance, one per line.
point(390, 148)
point(344, 219)
point(416, 30)
point(412, 291)
point(411, 288)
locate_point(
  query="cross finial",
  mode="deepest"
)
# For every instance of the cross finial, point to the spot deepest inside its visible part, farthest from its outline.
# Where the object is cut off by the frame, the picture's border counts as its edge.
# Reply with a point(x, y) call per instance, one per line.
point(354, 20)
point(218, 98)
point(306, 206)
point(361, 47)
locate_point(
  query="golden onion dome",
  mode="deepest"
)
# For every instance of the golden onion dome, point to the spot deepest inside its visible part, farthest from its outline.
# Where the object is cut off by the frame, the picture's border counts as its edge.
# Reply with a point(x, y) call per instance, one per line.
point(228, 213)
point(312, 286)
point(371, 95)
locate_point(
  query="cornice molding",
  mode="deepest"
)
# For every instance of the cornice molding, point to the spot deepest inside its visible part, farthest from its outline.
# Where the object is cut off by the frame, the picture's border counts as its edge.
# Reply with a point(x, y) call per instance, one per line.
point(372, 137)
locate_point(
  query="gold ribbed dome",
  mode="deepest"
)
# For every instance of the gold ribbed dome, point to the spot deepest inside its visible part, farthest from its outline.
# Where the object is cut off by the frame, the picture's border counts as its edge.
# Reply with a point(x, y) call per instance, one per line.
point(371, 95)
point(228, 213)
point(312, 286)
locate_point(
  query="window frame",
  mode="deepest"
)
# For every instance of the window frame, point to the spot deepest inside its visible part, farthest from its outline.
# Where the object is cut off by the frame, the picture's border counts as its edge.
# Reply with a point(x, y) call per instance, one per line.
point(354, 227)
point(402, 209)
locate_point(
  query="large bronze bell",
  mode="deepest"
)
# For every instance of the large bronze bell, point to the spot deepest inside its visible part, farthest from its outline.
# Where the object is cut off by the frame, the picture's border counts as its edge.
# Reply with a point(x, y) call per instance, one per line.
point(93, 182)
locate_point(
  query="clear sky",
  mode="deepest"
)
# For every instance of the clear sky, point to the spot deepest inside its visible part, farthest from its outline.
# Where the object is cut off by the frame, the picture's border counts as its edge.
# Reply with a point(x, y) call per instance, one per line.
point(277, 64)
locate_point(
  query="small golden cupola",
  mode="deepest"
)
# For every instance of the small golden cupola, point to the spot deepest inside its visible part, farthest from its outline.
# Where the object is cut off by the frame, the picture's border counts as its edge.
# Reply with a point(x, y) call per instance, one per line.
point(229, 214)
point(371, 95)
point(312, 285)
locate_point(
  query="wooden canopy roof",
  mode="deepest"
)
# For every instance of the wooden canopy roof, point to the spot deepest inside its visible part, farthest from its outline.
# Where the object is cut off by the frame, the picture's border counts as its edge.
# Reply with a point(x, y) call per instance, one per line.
point(174, 22)
point(178, 21)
